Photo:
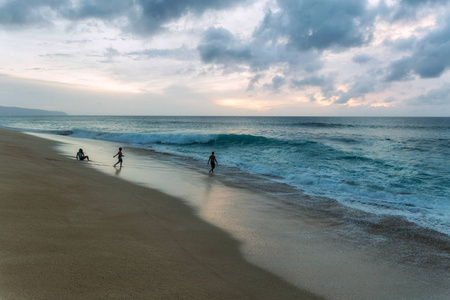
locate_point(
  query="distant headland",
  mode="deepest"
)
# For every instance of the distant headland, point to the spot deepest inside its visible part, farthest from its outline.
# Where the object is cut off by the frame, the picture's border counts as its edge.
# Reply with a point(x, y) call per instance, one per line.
point(18, 111)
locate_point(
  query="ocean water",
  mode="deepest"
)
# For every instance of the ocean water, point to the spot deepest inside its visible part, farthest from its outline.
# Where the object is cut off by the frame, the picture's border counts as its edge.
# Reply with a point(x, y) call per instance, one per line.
point(395, 167)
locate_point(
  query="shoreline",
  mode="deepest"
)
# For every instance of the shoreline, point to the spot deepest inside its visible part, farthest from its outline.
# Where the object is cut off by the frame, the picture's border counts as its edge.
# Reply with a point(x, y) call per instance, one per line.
point(334, 252)
point(320, 253)
point(319, 208)
point(71, 232)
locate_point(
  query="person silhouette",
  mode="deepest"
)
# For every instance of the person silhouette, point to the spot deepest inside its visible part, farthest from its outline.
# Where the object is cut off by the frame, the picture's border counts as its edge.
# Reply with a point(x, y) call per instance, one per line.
point(80, 155)
point(213, 161)
point(119, 155)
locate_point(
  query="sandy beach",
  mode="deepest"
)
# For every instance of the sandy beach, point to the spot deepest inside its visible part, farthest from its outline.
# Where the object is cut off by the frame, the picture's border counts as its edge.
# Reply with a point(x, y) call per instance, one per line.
point(70, 232)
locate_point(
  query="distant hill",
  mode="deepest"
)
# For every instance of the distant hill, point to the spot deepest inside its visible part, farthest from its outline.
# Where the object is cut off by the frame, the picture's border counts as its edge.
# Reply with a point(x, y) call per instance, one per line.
point(17, 111)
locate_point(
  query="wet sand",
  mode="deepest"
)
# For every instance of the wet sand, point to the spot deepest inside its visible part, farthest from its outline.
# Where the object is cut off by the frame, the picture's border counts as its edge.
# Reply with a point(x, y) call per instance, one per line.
point(71, 232)
point(314, 244)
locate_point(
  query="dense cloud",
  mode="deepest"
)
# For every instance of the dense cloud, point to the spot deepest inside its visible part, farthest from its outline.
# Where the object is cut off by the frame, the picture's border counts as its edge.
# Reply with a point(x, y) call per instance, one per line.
point(276, 84)
point(400, 70)
point(292, 40)
point(98, 9)
point(401, 44)
point(145, 17)
point(429, 58)
point(293, 36)
point(219, 46)
point(155, 13)
point(320, 24)
point(18, 13)
point(408, 9)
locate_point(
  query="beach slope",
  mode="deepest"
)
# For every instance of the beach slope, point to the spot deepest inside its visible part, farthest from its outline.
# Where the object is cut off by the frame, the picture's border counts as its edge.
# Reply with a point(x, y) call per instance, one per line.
point(71, 232)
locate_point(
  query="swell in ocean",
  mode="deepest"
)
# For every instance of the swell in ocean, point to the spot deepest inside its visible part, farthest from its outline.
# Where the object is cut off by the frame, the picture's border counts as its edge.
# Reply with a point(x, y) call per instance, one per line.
point(393, 168)
point(362, 186)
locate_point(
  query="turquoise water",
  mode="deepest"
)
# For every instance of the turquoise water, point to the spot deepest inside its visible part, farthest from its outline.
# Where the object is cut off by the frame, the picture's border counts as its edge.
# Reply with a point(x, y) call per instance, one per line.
point(383, 166)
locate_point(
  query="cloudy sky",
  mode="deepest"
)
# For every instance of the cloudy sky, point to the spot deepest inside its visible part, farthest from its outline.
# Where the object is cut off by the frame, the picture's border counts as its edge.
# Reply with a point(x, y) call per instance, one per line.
point(227, 57)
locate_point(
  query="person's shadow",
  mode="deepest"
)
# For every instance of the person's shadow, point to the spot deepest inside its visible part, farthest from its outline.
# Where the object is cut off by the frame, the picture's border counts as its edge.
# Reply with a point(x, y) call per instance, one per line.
point(118, 170)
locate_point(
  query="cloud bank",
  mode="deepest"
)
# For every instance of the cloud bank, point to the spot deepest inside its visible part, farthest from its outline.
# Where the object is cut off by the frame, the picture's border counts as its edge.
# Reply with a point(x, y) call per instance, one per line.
point(341, 52)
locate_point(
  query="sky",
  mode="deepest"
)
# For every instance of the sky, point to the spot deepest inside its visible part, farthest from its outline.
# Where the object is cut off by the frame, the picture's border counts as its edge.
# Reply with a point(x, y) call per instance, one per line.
point(233, 57)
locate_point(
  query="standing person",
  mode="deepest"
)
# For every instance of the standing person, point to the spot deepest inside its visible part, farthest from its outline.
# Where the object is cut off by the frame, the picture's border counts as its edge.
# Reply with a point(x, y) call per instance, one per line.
point(119, 155)
point(213, 161)
point(81, 156)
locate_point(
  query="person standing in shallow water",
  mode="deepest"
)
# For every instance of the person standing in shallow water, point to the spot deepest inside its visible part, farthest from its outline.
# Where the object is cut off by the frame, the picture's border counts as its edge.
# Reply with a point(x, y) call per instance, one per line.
point(119, 155)
point(213, 161)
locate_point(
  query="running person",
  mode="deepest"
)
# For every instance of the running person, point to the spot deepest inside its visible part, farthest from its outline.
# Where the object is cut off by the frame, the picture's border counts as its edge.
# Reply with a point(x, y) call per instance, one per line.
point(119, 155)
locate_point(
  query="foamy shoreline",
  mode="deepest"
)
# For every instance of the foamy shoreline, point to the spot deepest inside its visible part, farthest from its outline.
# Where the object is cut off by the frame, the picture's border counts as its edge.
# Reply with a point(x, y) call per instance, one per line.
point(70, 232)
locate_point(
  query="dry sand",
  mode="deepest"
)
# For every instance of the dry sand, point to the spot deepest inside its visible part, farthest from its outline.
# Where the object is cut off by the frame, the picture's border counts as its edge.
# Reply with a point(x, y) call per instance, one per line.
point(71, 232)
